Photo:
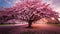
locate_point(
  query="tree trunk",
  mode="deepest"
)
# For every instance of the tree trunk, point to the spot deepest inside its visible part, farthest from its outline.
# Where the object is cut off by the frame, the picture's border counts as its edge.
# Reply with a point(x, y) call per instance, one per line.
point(29, 23)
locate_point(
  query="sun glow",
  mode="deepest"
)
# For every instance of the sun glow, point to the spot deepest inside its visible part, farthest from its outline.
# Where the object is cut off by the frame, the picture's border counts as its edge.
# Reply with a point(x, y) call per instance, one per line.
point(57, 9)
point(42, 21)
point(59, 19)
point(52, 18)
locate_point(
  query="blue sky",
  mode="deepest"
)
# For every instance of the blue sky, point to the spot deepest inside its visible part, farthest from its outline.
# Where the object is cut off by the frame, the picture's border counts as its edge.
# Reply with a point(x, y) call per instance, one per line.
point(8, 3)
point(55, 4)
point(5, 3)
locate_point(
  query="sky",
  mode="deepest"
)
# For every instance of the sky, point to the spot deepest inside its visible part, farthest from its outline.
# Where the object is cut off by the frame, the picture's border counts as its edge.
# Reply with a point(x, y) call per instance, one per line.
point(55, 4)
point(7, 3)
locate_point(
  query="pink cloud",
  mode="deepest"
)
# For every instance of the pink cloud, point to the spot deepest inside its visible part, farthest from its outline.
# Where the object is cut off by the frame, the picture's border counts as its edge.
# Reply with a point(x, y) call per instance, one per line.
point(55, 4)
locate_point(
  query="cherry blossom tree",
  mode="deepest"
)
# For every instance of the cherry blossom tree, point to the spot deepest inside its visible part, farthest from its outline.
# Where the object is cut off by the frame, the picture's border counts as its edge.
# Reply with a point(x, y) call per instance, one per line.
point(32, 11)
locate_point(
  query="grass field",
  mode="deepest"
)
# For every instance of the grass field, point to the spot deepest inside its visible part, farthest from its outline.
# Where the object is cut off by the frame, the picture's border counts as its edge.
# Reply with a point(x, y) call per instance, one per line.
point(55, 24)
point(38, 29)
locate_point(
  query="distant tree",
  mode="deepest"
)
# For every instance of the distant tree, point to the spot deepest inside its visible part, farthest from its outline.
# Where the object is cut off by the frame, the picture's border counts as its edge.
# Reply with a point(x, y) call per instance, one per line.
point(5, 18)
point(31, 11)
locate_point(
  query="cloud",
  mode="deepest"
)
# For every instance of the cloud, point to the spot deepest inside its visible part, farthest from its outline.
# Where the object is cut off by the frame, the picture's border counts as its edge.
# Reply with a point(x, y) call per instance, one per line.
point(55, 4)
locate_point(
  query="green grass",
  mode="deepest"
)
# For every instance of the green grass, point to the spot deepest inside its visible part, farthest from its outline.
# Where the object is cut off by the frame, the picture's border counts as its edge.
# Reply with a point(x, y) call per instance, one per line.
point(55, 24)
point(5, 24)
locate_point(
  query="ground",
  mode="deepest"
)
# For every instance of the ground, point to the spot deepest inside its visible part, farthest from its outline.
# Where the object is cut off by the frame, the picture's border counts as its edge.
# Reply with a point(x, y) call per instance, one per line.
point(37, 29)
